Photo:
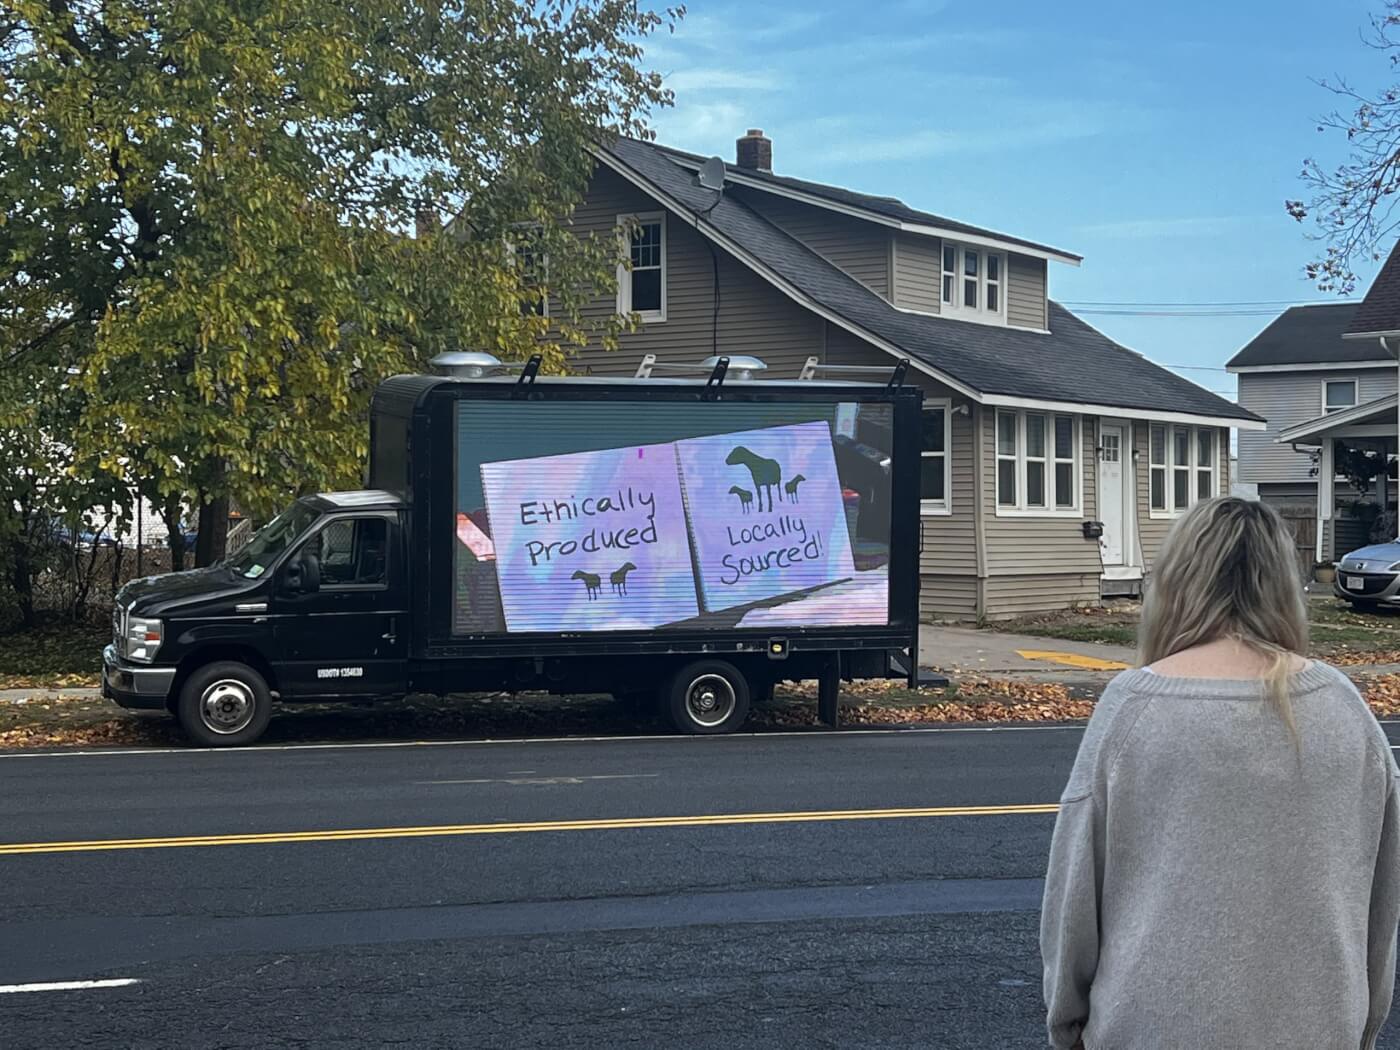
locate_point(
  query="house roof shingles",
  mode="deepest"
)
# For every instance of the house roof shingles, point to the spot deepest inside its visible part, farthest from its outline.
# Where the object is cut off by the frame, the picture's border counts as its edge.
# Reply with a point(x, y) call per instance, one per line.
point(1379, 313)
point(886, 207)
point(1305, 335)
point(1073, 363)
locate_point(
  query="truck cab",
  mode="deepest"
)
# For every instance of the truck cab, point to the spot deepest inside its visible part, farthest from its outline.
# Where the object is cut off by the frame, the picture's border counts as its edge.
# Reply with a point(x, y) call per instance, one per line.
point(314, 607)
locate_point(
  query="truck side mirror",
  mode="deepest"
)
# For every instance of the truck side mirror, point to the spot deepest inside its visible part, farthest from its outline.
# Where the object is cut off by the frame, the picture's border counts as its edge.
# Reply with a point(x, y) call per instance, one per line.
point(302, 575)
point(310, 573)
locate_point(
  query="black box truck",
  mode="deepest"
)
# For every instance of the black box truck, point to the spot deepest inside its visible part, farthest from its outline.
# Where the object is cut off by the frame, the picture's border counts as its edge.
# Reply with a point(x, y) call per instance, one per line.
point(690, 542)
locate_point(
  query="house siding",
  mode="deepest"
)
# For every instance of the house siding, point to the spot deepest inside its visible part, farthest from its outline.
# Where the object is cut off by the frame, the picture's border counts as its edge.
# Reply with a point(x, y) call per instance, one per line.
point(860, 248)
point(1286, 399)
point(754, 317)
point(1025, 292)
point(918, 272)
point(1020, 549)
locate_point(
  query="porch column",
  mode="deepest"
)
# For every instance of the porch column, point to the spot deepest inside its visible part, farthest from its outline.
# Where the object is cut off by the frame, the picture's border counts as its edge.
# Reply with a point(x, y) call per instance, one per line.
point(1325, 473)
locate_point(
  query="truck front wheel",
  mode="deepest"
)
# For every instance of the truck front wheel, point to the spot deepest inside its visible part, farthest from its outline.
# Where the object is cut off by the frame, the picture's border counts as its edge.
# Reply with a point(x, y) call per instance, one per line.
point(709, 696)
point(224, 704)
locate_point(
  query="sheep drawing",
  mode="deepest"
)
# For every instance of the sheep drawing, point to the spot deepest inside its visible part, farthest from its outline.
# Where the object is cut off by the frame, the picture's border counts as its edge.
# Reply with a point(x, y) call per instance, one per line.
point(592, 582)
point(767, 474)
point(745, 497)
point(619, 578)
point(791, 487)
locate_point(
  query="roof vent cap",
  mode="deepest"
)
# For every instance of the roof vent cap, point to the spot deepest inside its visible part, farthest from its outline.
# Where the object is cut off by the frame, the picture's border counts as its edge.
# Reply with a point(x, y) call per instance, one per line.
point(466, 364)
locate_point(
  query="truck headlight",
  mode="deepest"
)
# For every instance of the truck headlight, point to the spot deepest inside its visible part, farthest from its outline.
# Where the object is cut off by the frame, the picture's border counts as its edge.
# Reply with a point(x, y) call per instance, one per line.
point(143, 638)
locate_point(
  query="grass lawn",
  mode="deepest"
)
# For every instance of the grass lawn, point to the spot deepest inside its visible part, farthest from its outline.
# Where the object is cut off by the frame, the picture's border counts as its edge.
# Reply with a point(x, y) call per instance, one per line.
point(1338, 632)
point(57, 654)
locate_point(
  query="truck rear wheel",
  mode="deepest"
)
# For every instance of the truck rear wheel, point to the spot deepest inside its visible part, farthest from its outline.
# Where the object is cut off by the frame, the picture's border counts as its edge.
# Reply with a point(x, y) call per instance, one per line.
point(224, 704)
point(707, 697)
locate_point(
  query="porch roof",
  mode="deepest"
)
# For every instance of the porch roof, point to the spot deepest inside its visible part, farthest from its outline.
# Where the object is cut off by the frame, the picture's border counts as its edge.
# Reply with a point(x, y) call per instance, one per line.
point(1380, 410)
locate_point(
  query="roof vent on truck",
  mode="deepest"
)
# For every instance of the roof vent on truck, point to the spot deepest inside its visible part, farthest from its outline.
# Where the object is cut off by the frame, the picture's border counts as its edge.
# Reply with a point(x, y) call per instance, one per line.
point(466, 364)
point(478, 364)
point(743, 367)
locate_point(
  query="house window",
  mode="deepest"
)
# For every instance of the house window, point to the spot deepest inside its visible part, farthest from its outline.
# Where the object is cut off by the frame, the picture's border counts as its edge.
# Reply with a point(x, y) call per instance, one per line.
point(1037, 462)
point(1338, 394)
point(533, 266)
point(971, 300)
point(1205, 464)
point(972, 281)
point(1007, 428)
point(641, 287)
point(1065, 473)
point(1181, 467)
point(933, 465)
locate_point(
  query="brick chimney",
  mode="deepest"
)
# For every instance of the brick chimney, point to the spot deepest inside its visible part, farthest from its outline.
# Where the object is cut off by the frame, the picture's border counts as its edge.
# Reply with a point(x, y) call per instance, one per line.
point(425, 222)
point(755, 150)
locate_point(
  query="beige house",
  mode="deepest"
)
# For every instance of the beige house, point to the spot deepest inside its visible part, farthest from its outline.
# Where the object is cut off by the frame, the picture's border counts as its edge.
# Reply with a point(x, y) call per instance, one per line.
point(1037, 426)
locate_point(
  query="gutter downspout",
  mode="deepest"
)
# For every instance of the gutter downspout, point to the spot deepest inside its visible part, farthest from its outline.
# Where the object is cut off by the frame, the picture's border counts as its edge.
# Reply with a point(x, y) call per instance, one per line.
point(1385, 472)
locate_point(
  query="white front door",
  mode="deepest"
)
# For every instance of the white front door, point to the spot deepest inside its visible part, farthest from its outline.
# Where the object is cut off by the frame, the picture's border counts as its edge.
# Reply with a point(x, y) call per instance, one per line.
point(1113, 450)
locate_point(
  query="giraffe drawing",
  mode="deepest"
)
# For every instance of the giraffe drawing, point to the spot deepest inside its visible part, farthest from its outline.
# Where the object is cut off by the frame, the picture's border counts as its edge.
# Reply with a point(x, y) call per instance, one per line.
point(791, 487)
point(592, 582)
point(767, 474)
point(745, 497)
point(619, 578)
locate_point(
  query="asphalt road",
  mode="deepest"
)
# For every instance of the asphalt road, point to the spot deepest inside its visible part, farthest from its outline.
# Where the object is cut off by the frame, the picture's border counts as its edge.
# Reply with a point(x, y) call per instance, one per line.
point(669, 892)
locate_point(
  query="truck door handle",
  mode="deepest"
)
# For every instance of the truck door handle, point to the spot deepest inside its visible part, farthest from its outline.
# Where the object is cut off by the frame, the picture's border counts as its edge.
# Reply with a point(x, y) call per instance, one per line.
point(391, 635)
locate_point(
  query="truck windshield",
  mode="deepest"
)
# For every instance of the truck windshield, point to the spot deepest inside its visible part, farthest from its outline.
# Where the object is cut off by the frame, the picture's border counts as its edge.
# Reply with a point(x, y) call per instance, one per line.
point(271, 540)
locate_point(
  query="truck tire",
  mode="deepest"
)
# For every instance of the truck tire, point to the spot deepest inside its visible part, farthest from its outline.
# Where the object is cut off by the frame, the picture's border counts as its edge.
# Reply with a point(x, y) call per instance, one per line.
point(708, 697)
point(224, 704)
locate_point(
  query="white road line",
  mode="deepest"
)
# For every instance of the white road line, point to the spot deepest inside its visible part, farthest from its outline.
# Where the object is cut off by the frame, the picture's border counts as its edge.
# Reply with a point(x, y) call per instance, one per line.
point(672, 737)
point(67, 986)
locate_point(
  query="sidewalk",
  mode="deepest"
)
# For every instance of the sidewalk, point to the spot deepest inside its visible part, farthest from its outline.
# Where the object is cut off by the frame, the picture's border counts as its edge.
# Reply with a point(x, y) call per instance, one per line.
point(966, 650)
point(20, 696)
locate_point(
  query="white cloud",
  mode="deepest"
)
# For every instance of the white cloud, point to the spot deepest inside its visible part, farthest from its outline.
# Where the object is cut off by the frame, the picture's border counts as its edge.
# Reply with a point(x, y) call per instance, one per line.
point(702, 126)
point(702, 79)
point(932, 142)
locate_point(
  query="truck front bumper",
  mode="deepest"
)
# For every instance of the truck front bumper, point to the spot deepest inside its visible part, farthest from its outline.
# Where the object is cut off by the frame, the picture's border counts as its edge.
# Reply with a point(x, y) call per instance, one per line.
point(134, 686)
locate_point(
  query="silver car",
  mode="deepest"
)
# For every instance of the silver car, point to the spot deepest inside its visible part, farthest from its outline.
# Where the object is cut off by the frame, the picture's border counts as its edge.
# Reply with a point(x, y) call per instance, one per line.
point(1370, 575)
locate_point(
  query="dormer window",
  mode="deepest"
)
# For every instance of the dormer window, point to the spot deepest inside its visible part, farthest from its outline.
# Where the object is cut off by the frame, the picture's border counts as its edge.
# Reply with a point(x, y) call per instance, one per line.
point(972, 282)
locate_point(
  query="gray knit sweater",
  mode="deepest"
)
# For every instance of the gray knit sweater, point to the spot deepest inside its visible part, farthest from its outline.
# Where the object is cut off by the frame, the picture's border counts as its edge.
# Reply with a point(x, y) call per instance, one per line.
point(1211, 887)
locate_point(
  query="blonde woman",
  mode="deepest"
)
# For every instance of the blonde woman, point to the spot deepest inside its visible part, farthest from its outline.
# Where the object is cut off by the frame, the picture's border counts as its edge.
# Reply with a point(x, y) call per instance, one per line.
point(1225, 871)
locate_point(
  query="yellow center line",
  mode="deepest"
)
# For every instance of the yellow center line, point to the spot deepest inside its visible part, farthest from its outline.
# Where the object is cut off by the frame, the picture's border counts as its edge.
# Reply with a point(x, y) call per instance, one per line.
point(445, 830)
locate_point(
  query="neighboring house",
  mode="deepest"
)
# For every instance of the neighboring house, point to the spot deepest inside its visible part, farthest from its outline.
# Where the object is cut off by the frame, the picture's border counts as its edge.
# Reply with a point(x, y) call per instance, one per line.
point(1324, 377)
point(1035, 423)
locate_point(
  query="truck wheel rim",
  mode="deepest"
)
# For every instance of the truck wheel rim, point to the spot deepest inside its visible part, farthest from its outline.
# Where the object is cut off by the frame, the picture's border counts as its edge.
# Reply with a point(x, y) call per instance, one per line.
point(710, 700)
point(227, 706)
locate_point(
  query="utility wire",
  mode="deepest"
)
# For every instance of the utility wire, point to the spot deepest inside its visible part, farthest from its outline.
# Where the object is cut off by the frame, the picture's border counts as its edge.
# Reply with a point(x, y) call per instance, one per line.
point(1174, 313)
point(1231, 303)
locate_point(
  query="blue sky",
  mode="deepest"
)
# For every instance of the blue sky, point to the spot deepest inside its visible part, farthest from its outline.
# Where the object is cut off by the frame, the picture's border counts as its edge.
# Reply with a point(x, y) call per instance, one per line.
point(1159, 141)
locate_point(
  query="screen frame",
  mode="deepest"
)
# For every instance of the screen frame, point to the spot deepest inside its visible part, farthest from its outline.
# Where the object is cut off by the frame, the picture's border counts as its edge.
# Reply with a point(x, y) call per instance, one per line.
point(434, 451)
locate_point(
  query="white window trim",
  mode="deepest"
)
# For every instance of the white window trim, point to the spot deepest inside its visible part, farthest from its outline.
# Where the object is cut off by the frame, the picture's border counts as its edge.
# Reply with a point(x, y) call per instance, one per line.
point(1171, 466)
point(956, 308)
point(944, 507)
point(511, 253)
point(624, 269)
point(1355, 396)
point(1050, 510)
